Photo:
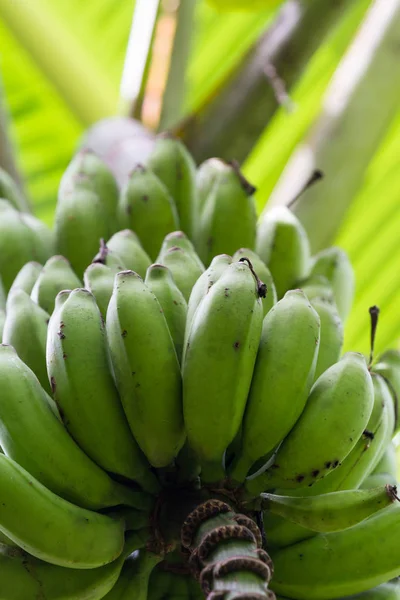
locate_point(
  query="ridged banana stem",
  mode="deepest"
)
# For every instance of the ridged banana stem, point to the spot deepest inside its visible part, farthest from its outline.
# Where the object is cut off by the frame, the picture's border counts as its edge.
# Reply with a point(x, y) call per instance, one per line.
point(226, 554)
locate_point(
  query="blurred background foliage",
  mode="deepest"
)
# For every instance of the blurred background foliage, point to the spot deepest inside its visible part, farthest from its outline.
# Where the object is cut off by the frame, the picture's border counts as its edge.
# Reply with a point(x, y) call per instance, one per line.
point(331, 101)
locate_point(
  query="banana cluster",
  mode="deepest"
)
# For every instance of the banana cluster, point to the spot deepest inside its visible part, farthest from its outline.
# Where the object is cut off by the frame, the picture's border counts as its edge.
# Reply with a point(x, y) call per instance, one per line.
point(161, 337)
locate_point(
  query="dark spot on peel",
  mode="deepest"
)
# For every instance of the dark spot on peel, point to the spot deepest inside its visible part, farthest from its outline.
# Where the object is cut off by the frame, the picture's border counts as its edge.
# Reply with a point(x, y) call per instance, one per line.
point(368, 434)
point(65, 355)
point(62, 325)
point(328, 464)
point(60, 335)
point(335, 464)
point(236, 345)
point(53, 384)
point(315, 473)
point(299, 478)
point(124, 333)
point(145, 198)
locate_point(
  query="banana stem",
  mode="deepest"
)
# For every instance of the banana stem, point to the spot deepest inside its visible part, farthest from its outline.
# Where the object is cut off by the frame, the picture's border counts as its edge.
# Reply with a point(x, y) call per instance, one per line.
point(225, 553)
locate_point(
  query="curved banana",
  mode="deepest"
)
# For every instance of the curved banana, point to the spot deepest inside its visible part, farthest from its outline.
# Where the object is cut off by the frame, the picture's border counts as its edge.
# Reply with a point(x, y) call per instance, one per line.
point(84, 390)
point(133, 582)
point(26, 277)
point(180, 240)
point(228, 218)
point(43, 236)
point(175, 167)
point(341, 563)
point(147, 207)
point(11, 192)
point(87, 171)
point(283, 245)
point(146, 368)
point(174, 306)
point(99, 279)
point(127, 246)
point(263, 273)
point(31, 434)
point(50, 528)
point(333, 511)
point(218, 365)
point(344, 394)
point(334, 264)
point(282, 378)
point(332, 335)
point(206, 176)
point(25, 329)
point(185, 270)
point(55, 276)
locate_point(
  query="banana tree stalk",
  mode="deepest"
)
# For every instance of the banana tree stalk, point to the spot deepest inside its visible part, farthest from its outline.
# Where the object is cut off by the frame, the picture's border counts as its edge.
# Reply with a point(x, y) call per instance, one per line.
point(360, 104)
point(176, 83)
point(230, 125)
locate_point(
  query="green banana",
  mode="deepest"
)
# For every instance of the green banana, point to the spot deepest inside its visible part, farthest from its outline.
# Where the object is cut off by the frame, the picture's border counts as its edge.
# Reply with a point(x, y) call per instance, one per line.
point(174, 166)
point(184, 269)
point(127, 246)
point(99, 279)
point(180, 240)
point(282, 378)
point(378, 479)
point(332, 335)
point(388, 462)
point(24, 577)
point(317, 286)
point(87, 171)
point(84, 390)
point(44, 238)
point(228, 218)
point(18, 243)
point(26, 277)
point(334, 264)
point(11, 192)
point(386, 591)
point(55, 276)
point(160, 281)
point(219, 359)
point(348, 475)
point(263, 273)
point(146, 368)
point(341, 563)
point(25, 329)
point(388, 366)
point(283, 245)
point(108, 257)
point(50, 528)
point(31, 434)
point(133, 581)
point(333, 511)
point(147, 207)
point(344, 395)
point(206, 176)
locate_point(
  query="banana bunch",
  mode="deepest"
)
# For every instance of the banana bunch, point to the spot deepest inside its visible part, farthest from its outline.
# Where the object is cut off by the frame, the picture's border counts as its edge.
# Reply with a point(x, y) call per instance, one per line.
point(163, 351)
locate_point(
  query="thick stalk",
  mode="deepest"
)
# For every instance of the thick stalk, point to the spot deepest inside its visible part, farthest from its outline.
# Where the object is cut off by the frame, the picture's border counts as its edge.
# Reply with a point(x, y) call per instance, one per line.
point(176, 83)
point(225, 553)
point(230, 125)
point(359, 106)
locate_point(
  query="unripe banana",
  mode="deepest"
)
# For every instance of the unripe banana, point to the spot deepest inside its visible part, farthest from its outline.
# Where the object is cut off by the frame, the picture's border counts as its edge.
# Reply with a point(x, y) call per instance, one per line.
point(331, 512)
point(26, 277)
point(81, 221)
point(174, 166)
point(31, 434)
point(25, 329)
point(184, 269)
point(99, 279)
point(388, 462)
point(282, 378)
point(43, 236)
point(283, 245)
point(378, 479)
point(84, 390)
point(334, 264)
point(10, 191)
point(219, 359)
point(317, 286)
point(55, 276)
point(87, 171)
point(341, 563)
point(263, 273)
point(24, 577)
point(127, 246)
point(18, 243)
point(146, 368)
point(147, 207)
point(344, 395)
point(174, 306)
point(388, 366)
point(133, 582)
point(180, 240)
point(50, 528)
point(228, 219)
point(202, 286)
point(206, 176)
point(109, 258)
point(332, 334)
